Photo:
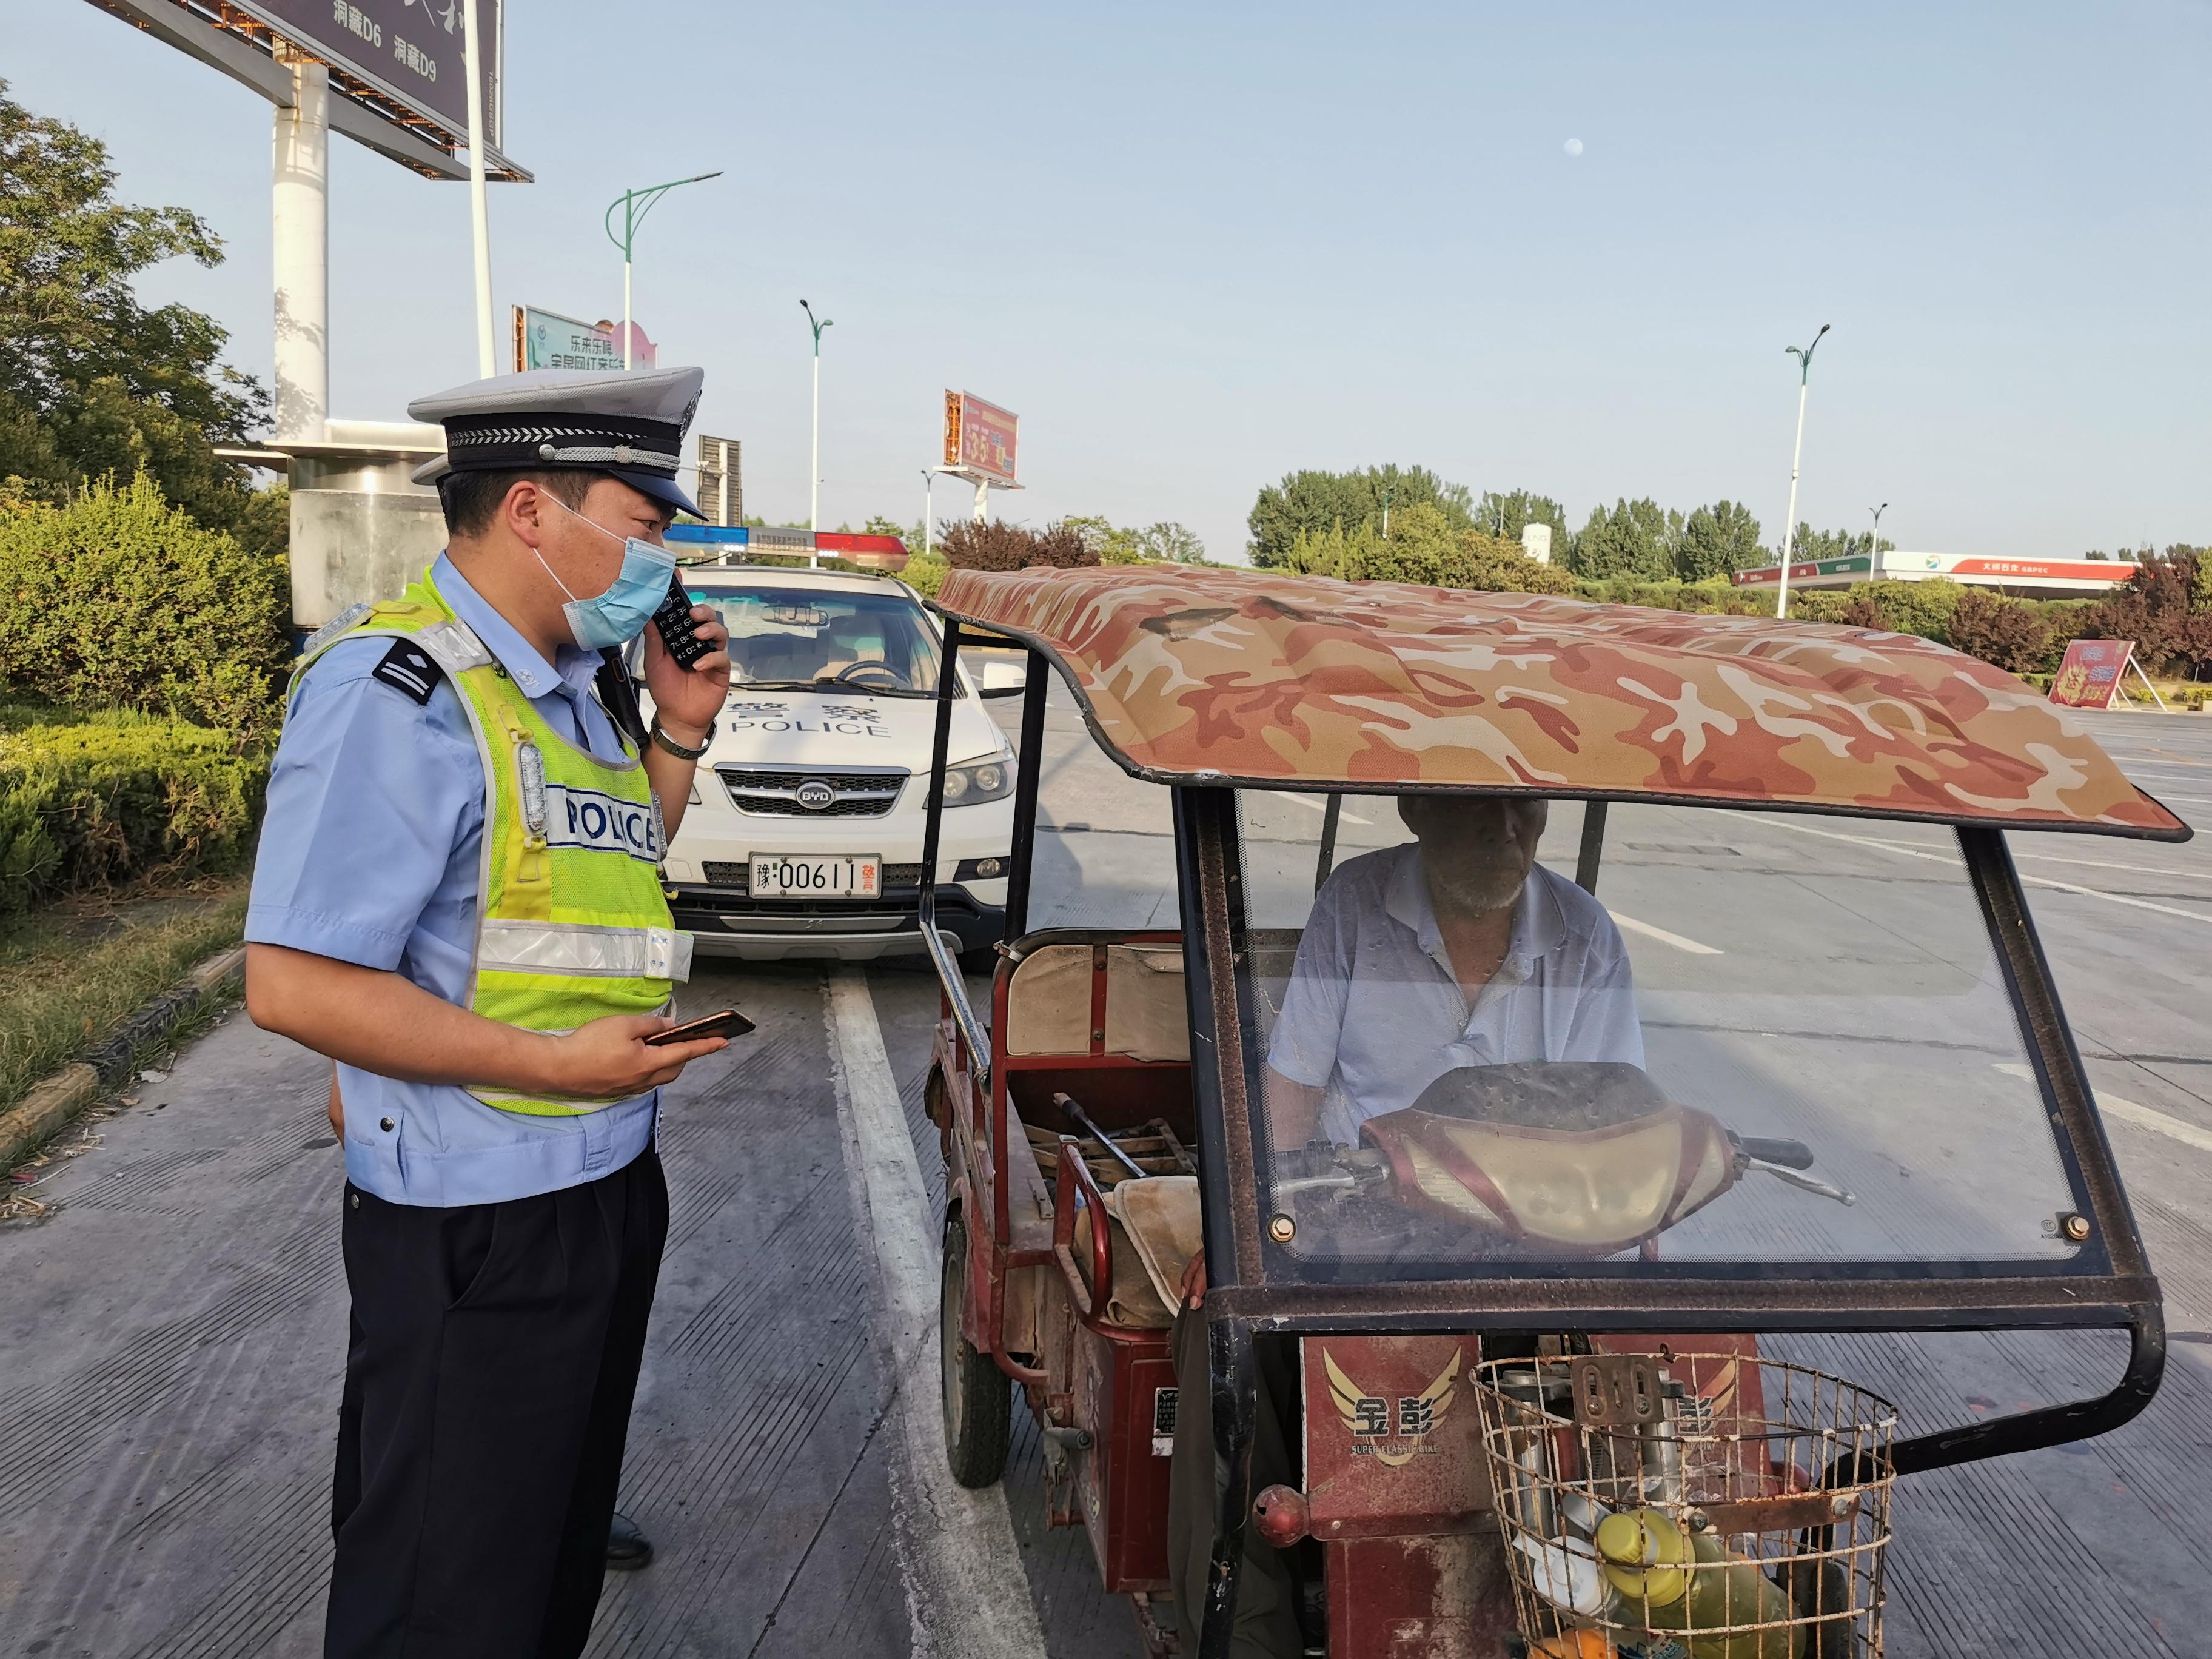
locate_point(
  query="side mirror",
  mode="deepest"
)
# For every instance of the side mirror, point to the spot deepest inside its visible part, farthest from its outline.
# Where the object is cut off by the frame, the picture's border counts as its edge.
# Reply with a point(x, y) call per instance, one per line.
point(1002, 678)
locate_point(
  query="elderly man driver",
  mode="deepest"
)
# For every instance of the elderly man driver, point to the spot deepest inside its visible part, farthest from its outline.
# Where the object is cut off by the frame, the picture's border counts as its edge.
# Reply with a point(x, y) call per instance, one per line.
point(1455, 949)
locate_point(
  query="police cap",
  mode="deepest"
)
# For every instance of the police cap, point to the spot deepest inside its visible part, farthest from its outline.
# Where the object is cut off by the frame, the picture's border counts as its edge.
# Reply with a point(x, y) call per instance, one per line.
point(627, 423)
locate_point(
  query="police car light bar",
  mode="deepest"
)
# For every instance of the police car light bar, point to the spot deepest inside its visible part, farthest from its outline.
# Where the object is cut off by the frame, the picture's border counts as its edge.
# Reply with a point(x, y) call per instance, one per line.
point(728, 539)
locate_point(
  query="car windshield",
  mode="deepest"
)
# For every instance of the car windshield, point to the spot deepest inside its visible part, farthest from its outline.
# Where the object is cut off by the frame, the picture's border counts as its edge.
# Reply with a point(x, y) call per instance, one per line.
point(805, 639)
point(1767, 1039)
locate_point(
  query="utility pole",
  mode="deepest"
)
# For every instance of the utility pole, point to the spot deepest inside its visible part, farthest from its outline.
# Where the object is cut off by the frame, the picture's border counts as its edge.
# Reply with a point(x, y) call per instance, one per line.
point(635, 205)
point(479, 210)
point(1804, 355)
point(814, 482)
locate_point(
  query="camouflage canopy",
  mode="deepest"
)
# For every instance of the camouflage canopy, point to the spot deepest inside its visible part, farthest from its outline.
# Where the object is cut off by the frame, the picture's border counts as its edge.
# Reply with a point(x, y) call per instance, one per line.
point(1241, 677)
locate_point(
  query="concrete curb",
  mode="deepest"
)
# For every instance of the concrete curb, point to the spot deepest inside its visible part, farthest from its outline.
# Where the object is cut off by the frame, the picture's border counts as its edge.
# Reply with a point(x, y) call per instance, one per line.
point(51, 1104)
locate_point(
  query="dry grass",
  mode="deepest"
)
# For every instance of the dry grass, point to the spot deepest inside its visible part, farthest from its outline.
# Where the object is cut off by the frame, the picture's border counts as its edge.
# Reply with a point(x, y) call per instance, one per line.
point(70, 972)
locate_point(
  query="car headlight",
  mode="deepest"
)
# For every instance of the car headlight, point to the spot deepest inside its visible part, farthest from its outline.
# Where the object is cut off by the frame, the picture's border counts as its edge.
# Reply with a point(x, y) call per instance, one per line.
point(977, 781)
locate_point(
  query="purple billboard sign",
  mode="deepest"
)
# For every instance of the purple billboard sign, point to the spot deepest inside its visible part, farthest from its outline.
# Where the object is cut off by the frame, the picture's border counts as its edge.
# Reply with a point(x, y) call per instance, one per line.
point(410, 50)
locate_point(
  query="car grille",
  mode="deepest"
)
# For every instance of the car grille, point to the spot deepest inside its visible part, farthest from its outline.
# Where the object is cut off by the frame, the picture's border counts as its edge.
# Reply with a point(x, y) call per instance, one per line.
point(775, 793)
point(738, 877)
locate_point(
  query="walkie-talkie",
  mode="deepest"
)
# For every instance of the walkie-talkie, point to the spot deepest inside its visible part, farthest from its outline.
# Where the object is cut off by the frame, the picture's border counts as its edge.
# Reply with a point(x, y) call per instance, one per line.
point(673, 619)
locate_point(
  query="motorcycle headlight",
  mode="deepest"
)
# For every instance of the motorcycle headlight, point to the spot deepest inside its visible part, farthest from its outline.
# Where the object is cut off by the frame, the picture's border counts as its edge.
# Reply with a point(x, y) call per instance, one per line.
point(977, 781)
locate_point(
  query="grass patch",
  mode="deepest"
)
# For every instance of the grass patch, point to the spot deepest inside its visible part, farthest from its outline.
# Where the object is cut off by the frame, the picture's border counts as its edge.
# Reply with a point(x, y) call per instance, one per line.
point(70, 972)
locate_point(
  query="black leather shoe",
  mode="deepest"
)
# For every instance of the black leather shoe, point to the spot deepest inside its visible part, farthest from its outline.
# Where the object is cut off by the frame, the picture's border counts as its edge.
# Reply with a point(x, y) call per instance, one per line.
point(627, 1548)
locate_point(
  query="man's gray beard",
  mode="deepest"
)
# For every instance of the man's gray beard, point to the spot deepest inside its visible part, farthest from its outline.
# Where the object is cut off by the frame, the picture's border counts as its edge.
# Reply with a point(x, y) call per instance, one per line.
point(1499, 892)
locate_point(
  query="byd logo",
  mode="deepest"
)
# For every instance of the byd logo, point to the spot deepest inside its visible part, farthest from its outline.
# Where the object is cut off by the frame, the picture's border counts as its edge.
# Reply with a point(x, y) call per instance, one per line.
point(585, 817)
point(815, 795)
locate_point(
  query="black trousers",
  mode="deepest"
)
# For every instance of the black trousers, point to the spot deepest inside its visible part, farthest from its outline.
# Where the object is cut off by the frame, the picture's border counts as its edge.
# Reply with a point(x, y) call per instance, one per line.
point(1267, 1625)
point(494, 1357)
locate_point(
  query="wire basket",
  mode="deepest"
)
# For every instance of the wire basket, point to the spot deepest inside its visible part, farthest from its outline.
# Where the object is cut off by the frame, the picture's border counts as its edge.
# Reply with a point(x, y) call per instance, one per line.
point(1689, 1506)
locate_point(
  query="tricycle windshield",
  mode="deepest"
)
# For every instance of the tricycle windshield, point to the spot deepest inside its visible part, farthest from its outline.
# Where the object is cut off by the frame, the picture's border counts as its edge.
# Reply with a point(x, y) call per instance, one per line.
point(1767, 1039)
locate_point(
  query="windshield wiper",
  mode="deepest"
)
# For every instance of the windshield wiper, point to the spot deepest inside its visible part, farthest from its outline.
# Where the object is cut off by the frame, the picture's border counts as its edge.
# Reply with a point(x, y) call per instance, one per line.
point(846, 686)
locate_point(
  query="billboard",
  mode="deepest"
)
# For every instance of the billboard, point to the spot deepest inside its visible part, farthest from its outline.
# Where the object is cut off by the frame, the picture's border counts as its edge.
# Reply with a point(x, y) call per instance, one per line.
point(721, 492)
point(546, 340)
point(409, 51)
point(979, 437)
point(2091, 672)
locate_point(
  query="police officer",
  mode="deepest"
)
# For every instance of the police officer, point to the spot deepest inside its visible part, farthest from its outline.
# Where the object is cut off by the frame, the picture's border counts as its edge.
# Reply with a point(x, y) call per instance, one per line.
point(458, 900)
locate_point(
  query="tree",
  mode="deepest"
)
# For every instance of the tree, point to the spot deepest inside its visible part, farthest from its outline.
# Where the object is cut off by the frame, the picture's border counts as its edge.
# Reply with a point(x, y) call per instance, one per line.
point(993, 545)
point(1811, 543)
point(1717, 541)
point(1163, 542)
point(92, 382)
point(1506, 516)
point(1636, 539)
point(1314, 501)
point(2166, 609)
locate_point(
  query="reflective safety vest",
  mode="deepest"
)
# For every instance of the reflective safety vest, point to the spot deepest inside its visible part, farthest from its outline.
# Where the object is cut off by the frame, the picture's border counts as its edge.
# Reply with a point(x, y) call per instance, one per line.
point(571, 922)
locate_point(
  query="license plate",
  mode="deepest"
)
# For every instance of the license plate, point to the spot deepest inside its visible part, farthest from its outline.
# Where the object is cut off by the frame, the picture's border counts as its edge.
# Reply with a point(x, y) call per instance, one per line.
point(779, 875)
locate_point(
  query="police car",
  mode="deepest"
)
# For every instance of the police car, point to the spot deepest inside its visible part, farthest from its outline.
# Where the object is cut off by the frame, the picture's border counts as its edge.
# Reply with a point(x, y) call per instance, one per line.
point(802, 838)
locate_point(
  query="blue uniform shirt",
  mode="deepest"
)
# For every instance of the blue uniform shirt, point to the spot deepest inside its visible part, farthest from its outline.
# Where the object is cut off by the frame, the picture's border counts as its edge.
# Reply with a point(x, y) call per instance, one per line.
point(369, 854)
point(1374, 1012)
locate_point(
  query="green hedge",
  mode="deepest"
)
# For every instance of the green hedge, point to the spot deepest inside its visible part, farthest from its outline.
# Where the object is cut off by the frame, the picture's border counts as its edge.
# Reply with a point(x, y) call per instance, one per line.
point(89, 800)
point(119, 600)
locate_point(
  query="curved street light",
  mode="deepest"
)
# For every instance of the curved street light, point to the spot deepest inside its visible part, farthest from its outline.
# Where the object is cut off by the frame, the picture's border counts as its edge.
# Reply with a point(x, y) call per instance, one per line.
point(1874, 548)
point(1804, 355)
point(814, 475)
point(635, 205)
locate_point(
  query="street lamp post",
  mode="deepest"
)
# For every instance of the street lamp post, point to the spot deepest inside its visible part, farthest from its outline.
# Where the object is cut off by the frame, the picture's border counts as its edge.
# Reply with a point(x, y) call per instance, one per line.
point(928, 505)
point(814, 483)
point(1874, 548)
point(635, 205)
point(1804, 355)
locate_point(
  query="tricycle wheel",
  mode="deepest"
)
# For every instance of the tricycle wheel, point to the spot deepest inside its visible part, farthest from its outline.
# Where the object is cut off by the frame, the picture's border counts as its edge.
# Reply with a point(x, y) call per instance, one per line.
point(978, 1399)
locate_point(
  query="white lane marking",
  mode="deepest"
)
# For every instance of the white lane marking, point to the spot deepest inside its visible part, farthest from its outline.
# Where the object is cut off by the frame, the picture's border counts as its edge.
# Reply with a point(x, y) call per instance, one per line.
point(2106, 863)
point(1904, 851)
point(1346, 816)
point(965, 1590)
point(2127, 1111)
point(1664, 937)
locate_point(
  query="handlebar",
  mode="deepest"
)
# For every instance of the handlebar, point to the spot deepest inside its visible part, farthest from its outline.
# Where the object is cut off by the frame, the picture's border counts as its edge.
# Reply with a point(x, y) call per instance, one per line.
point(1791, 1154)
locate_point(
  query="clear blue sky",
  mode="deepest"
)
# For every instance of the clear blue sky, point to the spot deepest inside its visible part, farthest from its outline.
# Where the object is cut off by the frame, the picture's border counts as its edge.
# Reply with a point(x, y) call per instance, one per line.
point(1196, 246)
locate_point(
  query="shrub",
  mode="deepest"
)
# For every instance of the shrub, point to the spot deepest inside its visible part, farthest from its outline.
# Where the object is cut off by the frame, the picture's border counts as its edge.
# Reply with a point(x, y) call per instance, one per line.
point(119, 600)
point(87, 803)
point(2163, 611)
point(2008, 634)
point(1895, 607)
point(924, 575)
point(993, 545)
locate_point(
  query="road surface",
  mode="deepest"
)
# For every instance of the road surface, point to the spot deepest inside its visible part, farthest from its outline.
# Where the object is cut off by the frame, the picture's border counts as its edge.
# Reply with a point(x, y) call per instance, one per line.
point(172, 1330)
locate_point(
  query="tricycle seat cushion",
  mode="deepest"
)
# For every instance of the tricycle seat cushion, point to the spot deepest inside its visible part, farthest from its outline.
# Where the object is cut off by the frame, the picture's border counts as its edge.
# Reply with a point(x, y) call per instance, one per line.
point(1161, 1216)
point(1132, 1301)
point(1154, 1234)
point(1050, 1005)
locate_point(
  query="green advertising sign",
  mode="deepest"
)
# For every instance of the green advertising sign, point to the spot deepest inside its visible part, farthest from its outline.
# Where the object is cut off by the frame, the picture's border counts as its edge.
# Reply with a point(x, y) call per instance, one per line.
point(546, 340)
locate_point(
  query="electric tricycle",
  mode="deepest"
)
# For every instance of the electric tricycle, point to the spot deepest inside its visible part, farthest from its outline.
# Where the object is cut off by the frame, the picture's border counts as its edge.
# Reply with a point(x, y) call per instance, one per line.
point(1410, 1252)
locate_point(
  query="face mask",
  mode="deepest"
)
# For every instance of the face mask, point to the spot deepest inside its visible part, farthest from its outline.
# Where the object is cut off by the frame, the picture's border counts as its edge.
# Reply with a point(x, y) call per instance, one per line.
point(619, 616)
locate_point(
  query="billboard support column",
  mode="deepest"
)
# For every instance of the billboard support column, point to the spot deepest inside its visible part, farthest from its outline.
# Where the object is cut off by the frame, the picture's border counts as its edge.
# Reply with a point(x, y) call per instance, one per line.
point(479, 210)
point(299, 222)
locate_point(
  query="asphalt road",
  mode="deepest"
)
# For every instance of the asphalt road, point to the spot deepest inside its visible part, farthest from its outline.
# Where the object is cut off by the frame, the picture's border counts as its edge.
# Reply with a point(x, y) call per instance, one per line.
point(171, 1332)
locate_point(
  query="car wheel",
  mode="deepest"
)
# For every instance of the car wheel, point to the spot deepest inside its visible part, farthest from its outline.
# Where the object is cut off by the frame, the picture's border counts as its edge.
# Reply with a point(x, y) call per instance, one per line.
point(978, 1398)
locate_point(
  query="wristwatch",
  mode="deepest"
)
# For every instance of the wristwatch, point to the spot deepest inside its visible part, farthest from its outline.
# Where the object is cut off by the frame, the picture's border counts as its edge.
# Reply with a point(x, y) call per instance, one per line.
point(678, 750)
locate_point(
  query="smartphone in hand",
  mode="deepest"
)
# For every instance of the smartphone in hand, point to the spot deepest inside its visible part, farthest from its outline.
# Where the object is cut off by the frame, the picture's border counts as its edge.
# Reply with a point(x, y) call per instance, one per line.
point(729, 1022)
point(673, 620)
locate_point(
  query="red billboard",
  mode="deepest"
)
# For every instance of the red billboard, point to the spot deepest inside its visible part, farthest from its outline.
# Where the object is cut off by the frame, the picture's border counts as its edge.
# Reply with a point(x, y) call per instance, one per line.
point(2091, 672)
point(979, 437)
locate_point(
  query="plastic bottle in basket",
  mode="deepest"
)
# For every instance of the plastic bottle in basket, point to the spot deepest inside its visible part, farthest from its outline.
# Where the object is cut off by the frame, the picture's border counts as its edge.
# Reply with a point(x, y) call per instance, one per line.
point(1678, 1580)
